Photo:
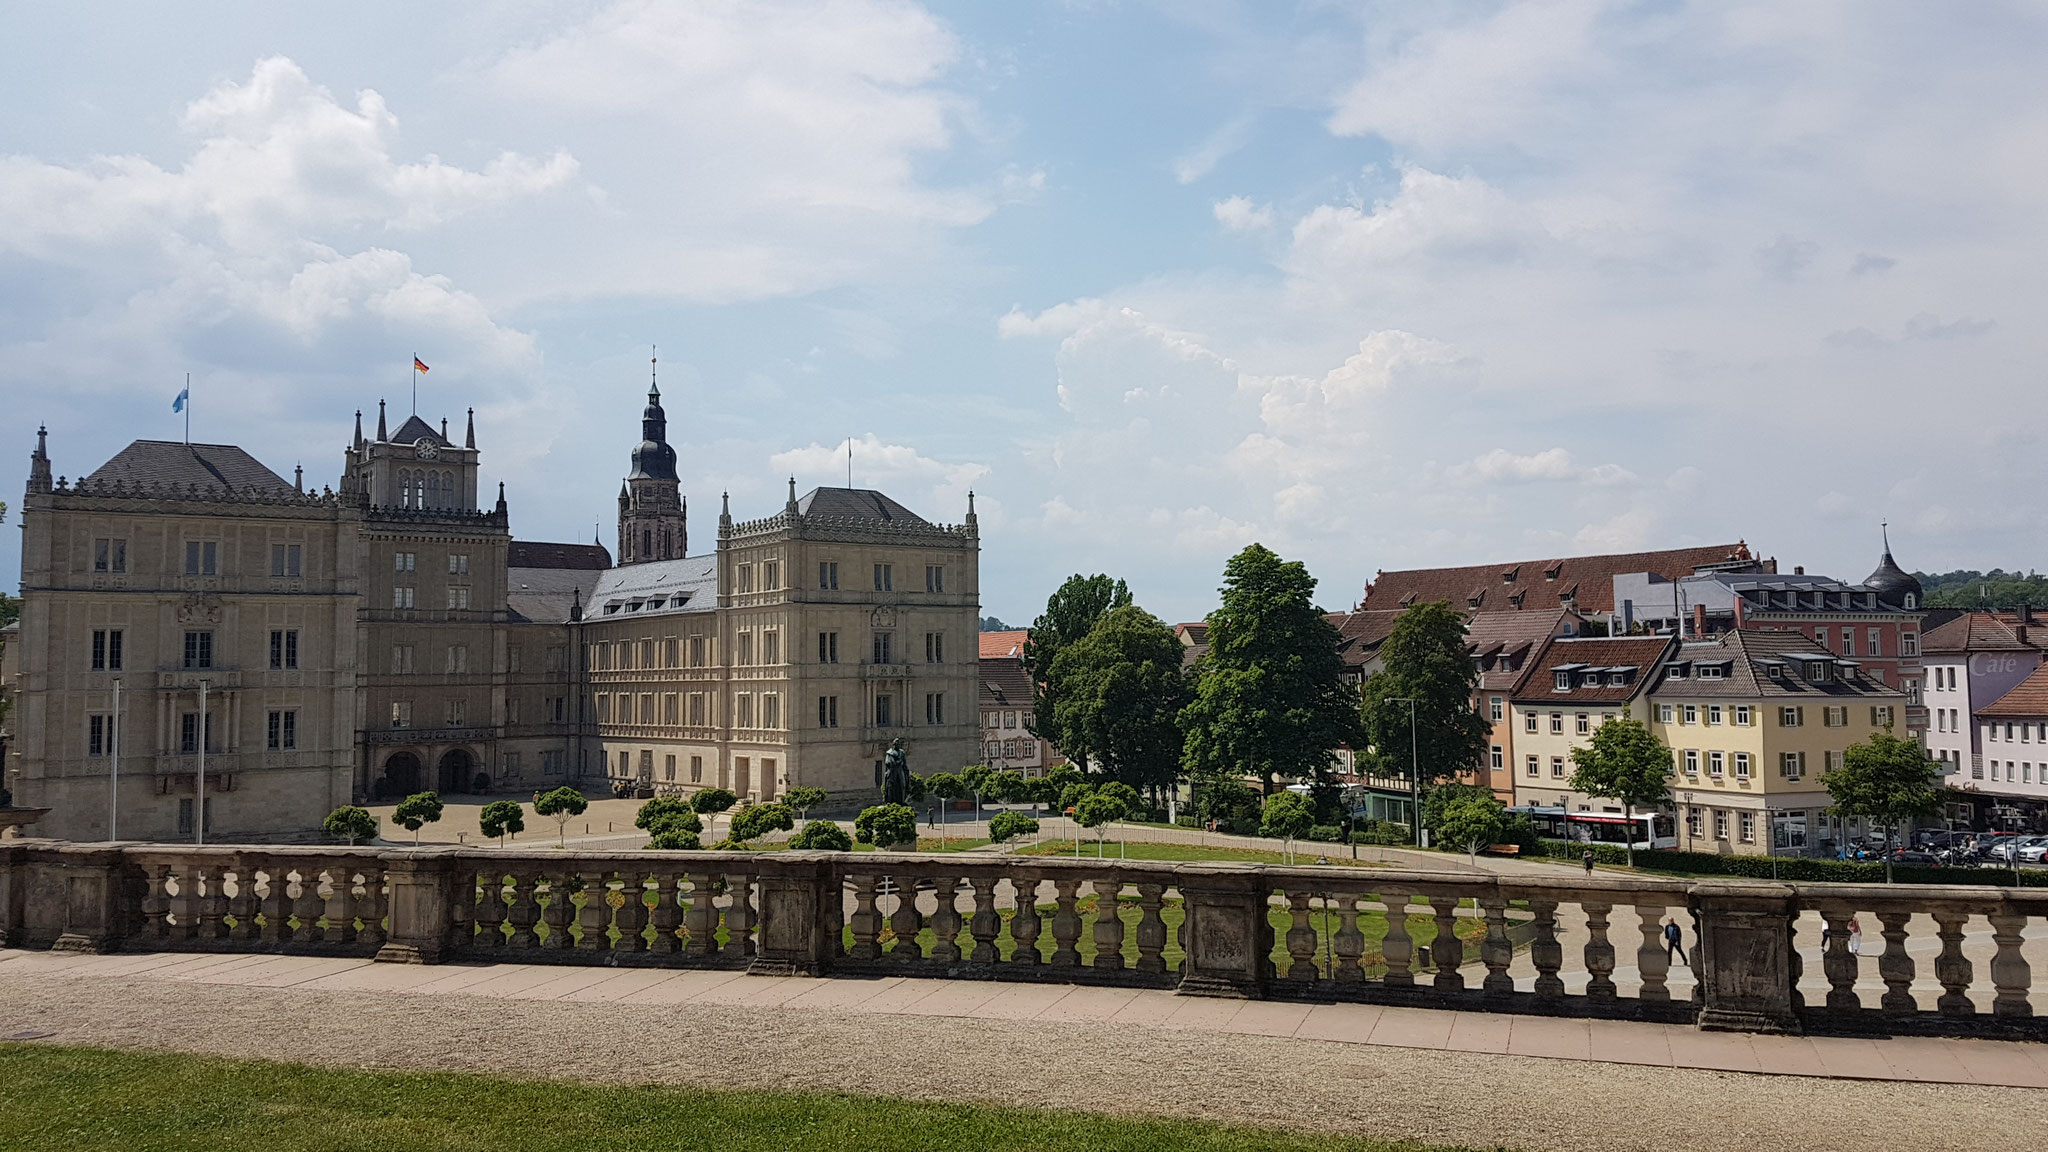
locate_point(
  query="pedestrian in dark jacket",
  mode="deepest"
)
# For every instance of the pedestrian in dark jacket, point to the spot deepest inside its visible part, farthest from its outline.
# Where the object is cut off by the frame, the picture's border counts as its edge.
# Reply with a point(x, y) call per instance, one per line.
point(1589, 861)
point(1673, 942)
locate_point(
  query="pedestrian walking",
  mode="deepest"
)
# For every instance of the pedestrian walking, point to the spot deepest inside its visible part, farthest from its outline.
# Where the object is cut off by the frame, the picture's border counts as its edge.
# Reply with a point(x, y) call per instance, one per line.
point(1855, 937)
point(1673, 942)
point(1589, 861)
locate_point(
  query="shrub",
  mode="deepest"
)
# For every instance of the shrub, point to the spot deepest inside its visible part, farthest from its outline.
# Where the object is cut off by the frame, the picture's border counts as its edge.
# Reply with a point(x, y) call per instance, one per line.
point(417, 811)
point(1007, 824)
point(351, 823)
point(822, 836)
point(1384, 832)
point(1326, 833)
point(563, 804)
point(885, 825)
point(711, 801)
point(672, 837)
point(804, 799)
point(656, 810)
point(760, 820)
point(502, 817)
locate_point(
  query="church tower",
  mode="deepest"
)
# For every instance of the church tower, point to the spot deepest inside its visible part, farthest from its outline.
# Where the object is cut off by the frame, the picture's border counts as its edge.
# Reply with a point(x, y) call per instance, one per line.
point(653, 517)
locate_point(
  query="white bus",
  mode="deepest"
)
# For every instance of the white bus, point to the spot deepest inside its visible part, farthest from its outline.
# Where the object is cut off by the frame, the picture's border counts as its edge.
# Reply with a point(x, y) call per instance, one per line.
point(1652, 830)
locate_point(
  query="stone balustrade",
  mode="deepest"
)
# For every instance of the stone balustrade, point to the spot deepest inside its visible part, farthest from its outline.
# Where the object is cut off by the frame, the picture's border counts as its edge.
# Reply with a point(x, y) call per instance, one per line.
point(1474, 942)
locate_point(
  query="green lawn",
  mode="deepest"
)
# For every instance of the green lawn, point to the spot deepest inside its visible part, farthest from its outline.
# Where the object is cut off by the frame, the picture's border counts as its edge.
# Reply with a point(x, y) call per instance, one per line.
point(1305, 852)
point(59, 1099)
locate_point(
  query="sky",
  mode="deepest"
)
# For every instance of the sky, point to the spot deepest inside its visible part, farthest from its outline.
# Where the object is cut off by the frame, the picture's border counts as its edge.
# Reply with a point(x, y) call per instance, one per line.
point(1377, 285)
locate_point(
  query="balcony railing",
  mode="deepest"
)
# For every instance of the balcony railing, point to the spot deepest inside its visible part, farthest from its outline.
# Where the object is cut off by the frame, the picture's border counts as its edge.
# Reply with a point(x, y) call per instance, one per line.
point(1240, 930)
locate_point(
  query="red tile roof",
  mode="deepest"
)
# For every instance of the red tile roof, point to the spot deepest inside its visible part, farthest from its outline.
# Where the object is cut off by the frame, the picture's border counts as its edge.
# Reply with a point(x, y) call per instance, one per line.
point(1983, 632)
point(2027, 698)
point(1640, 653)
point(1523, 585)
point(1004, 683)
point(994, 644)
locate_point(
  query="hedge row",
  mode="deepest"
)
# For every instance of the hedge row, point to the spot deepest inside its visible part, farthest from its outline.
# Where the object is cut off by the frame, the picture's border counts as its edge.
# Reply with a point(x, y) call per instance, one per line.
point(1792, 867)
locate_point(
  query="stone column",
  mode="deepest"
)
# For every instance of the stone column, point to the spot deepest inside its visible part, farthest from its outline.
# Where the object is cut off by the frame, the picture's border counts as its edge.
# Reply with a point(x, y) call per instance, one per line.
point(1747, 966)
point(800, 915)
point(425, 885)
point(1227, 935)
point(89, 887)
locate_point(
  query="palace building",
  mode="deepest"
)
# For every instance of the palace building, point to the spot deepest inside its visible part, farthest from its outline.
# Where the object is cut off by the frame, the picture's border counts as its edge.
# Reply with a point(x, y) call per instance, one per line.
point(389, 636)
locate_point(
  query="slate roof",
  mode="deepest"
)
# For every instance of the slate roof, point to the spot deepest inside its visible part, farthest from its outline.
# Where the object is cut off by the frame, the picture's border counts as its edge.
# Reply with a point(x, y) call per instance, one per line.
point(147, 462)
point(998, 644)
point(1525, 585)
point(855, 503)
point(545, 595)
point(1980, 632)
point(2028, 698)
point(656, 588)
point(416, 429)
point(1749, 655)
point(1503, 643)
point(1004, 683)
point(1638, 654)
point(583, 557)
point(1194, 639)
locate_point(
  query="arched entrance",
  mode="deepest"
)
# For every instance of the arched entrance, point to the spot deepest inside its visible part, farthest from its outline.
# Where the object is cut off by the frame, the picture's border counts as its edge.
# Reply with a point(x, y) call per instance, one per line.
point(401, 775)
point(457, 770)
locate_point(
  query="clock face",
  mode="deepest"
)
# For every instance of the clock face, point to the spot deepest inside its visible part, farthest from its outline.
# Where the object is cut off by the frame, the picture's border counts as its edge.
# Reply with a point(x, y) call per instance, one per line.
point(426, 449)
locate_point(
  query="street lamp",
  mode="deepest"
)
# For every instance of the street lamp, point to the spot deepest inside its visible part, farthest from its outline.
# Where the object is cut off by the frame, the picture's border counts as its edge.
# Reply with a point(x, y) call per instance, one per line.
point(1414, 769)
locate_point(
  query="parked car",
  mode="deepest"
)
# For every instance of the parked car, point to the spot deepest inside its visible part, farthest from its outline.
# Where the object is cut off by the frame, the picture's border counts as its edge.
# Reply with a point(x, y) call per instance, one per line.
point(1914, 856)
point(2018, 845)
point(2033, 849)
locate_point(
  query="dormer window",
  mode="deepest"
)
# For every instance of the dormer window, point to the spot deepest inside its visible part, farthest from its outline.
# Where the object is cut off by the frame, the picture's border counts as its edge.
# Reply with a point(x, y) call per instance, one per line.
point(1678, 672)
point(1711, 672)
point(1912, 601)
point(1775, 671)
point(1817, 671)
point(1617, 678)
point(1561, 681)
point(1508, 577)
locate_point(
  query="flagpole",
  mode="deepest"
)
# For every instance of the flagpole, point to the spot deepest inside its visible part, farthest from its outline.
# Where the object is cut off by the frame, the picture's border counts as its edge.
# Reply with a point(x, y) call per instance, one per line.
point(188, 409)
point(415, 383)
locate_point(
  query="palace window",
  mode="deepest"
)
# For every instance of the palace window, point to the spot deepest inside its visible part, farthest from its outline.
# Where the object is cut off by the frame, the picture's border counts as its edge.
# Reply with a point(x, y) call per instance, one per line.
point(934, 578)
point(828, 647)
point(106, 650)
point(285, 560)
point(828, 711)
point(202, 558)
point(110, 555)
point(198, 649)
point(885, 577)
point(284, 648)
point(828, 575)
point(282, 733)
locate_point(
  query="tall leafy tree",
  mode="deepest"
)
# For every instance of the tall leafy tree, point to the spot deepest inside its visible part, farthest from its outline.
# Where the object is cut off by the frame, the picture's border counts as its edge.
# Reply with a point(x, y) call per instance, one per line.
point(1070, 614)
point(1425, 661)
point(1270, 699)
point(1624, 762)
point(1886, 780)
point(1120, 692)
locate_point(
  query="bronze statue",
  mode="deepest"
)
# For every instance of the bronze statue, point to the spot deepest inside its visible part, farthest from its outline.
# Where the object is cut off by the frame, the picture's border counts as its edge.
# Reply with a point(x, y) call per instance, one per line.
point(895, 774)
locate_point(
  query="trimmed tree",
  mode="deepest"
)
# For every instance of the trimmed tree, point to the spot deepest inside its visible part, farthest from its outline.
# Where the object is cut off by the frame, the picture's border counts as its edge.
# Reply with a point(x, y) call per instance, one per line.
point(564, 804)
point(1425, 661)
point(1069, 614)
point(1270, 698)
point(1098, 810)
point(759, 820)
point(673, 836)
point(947, 788)
point(822, 836)
point(1286, 816)
point(1466, 815)
point(1624, 762)
point(1119, 694)
point(1005, 825)
point(1885, 780)
point(709, 802)
point(658, 809)
point(502, 818)
point(886, 825)
point(802, 800)
point(417, 811)
point(351, 823)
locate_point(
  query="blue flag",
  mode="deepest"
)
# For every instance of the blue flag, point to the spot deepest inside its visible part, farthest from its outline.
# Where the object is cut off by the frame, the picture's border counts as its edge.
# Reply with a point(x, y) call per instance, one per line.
point(178, 405)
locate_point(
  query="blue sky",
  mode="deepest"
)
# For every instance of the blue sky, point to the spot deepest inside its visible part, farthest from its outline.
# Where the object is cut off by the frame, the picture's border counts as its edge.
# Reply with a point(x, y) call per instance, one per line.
point(1378, 285)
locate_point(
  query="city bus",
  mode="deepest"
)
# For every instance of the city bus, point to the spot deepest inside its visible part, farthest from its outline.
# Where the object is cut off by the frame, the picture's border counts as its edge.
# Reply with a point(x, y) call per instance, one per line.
point(1652, 830)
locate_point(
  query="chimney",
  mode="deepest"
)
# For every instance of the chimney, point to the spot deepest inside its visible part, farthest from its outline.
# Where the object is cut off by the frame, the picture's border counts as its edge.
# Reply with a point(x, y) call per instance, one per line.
point(2026, 613)
point(1699, 620)
point(2021, 633)
point(1799, 569)
point(1741, 616)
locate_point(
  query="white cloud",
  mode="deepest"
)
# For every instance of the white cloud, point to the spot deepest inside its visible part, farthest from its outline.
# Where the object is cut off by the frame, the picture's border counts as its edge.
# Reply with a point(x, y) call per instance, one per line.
point(1551, 465)
point(1239, 214)
point(1228, 138)
point(934, 488)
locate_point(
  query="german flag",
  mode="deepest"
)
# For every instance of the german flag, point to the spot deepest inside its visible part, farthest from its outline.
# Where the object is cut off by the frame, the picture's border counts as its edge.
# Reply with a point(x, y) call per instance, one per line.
point(418, 365)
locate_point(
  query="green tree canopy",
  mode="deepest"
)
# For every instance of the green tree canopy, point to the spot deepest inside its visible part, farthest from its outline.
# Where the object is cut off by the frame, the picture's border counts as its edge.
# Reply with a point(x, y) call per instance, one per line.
point(351, 823)
point(886, 825)
point(1270, 699)
point(417, 811)
point(1069, 614)
point(1118, 694)
point(658, 809)
point(1624, 762)
point(564, 803)
point(1286, 816)
point(1886, 779)
point(1228, 803)
point(1465, 815)
point(759, 820)
point(1425, 661)
point(804, 799)
point(822, 836)
point(712, 801)
point(501, 818)
point(1005, 825)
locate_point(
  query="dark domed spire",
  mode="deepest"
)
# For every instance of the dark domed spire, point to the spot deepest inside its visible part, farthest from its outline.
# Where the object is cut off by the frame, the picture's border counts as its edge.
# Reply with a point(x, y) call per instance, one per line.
point(653, 459)
point(1893, 585)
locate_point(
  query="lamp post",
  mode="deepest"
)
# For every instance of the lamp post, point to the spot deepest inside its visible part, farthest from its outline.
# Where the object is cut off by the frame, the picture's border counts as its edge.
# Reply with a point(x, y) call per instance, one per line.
point(1414, 769)
point(199, 815)
point(114, 769)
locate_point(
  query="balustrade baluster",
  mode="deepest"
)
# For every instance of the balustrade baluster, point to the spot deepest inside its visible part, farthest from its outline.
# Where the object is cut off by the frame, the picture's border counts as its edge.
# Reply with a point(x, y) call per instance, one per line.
point(213, 904)
point(277, 902)
point(524, 912)
point(1496, 952)
point(1895, 967)
point(740, 916)
point(1024, 926)
point(946, 920)
point(1066, 924)
point(557, 913)
point(594, 919)
point(156, 904)
point(308, 904)
point(1653, 956)
point(244, 904)
point(462, 898)
point(986, 924)
point(184, 916)
point(1151, 931)
point(631, 918)
point(1545, 952)
point(1347, 944)
point(2009, 971)
point(1951, 968)
point(1837, 963)
point(1109, 924)
point(1302, 940)
point(1397, 948)
point(866, 921)
point(491, 910)
point(1446, 951)
point(341, 915)
point(667, 915)
point(371, 909)
point(1599, 953)
point(905, 922)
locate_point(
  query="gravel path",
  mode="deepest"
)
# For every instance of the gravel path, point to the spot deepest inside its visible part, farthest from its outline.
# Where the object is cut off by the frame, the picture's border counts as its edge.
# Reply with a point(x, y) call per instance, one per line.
point(1449, 1097)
